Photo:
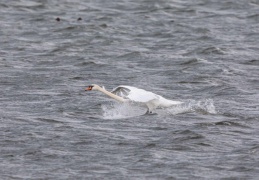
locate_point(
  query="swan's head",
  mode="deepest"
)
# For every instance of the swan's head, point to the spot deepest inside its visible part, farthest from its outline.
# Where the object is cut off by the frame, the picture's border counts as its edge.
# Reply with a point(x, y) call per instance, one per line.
point(92, 87)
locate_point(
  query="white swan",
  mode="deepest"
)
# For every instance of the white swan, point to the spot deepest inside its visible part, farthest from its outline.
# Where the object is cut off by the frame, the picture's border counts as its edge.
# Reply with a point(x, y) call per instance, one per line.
point(129, 93)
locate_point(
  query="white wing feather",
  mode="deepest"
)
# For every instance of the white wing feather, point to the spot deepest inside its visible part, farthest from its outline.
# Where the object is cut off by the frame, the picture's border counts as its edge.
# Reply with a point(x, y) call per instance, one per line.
point(135, 94)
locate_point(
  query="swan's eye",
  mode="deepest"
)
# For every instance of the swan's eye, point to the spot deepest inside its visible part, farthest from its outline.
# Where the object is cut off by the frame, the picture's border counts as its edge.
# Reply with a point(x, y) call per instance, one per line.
point(89, 88)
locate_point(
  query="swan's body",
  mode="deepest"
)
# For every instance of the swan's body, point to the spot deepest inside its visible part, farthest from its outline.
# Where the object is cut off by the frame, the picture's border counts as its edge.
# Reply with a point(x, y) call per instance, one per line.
point(133, 94)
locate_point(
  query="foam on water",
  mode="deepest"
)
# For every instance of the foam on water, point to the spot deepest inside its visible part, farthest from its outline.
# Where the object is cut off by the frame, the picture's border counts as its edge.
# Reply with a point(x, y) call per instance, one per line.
point(127, 110)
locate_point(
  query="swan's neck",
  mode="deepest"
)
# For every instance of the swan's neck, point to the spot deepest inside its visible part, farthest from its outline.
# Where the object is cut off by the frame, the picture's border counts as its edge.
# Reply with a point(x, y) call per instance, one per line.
point(118, 98)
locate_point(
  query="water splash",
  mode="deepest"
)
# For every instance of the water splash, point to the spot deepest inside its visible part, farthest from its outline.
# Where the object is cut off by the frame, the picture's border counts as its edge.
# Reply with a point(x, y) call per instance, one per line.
point(124, 110)
point(202, 106)
point(128, 110)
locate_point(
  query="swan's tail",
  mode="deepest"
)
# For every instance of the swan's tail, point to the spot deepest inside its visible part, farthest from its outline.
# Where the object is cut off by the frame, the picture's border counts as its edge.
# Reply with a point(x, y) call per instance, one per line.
point(175, 102)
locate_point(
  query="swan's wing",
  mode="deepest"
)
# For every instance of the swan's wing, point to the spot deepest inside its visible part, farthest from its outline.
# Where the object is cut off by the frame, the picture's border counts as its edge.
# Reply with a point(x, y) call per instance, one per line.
point(135, 94)
point(121, 91)
point(142, 96)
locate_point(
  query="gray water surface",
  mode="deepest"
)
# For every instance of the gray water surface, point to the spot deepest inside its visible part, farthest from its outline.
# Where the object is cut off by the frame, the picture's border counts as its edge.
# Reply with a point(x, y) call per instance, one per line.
point(204, 53)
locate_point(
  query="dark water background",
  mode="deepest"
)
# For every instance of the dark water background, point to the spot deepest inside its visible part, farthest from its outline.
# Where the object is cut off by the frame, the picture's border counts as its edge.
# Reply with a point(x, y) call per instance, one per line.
point(204, 52)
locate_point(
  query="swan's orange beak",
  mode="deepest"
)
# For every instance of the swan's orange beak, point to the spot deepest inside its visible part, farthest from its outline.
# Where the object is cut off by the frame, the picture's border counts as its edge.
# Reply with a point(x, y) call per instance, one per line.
point(89, 88)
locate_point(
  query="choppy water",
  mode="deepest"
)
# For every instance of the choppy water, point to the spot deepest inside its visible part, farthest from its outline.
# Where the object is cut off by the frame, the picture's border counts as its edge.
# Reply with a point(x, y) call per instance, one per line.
point(205, 53)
